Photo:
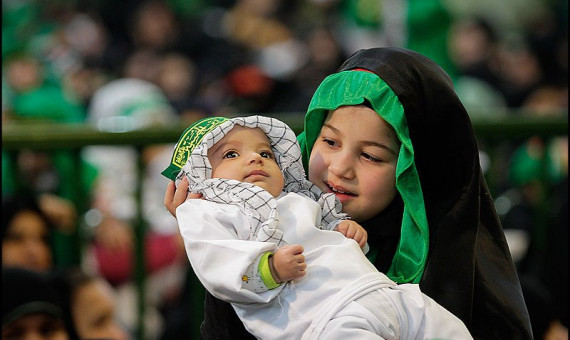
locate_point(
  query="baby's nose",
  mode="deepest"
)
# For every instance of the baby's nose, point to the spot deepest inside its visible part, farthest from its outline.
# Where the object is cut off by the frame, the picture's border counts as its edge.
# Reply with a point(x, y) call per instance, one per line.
point(255, 158)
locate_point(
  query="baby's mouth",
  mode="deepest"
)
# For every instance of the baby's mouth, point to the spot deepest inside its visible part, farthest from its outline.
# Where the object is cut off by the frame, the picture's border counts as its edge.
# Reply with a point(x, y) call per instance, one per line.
point(257, 173)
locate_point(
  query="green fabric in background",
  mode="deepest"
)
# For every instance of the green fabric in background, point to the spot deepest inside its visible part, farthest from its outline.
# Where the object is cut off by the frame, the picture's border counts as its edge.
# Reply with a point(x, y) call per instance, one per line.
point(425, 28)
point(47, 102)
point(428, 27)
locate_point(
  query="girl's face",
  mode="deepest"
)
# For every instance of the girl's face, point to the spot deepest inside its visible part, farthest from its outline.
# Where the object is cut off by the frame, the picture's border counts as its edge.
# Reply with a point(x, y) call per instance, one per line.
point(355, 158)
point(26, 242)
point(246, 155)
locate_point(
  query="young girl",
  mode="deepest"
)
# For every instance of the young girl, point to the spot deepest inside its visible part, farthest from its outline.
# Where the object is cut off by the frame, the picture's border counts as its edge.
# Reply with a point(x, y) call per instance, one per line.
point(389, 124)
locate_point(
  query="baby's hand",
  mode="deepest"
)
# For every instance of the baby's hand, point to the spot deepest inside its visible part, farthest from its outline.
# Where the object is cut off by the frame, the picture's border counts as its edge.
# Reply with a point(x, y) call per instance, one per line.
point(353, 230)
point(288, 263)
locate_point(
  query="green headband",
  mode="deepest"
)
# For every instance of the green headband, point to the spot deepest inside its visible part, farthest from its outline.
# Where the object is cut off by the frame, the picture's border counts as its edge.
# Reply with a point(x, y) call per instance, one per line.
point(189, 139)
point(353, 88)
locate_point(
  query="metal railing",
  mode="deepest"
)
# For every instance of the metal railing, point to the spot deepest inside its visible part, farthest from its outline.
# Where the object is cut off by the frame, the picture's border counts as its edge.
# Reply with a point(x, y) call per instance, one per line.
point(19, 136)
point(52, 136)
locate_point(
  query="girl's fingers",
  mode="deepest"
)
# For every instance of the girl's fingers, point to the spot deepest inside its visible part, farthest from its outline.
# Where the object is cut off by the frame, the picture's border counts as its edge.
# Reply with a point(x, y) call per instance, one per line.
point(181, 192)
point(175, 196)
point(169, 194)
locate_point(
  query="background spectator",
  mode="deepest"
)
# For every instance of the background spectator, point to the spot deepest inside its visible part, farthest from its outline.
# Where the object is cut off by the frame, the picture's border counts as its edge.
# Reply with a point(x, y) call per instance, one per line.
point(26, 234)
point(90, 305)
point(31, 307)
point(122, 105)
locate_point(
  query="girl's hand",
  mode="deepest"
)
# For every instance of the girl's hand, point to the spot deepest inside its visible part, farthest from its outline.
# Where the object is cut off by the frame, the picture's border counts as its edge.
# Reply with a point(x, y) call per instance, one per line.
point(288, 263)
point(175, 196)
point(353, 230)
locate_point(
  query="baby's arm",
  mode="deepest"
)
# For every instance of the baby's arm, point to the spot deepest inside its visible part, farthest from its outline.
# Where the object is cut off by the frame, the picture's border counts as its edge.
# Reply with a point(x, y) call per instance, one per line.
point(288, 263)
point(230, 266)
point(353, 230)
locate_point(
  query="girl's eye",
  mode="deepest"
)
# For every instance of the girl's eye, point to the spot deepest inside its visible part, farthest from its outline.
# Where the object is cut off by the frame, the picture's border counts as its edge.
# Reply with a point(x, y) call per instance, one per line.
point(330, 142)
point(266, 154)
point(230, 154)
point(370, 158)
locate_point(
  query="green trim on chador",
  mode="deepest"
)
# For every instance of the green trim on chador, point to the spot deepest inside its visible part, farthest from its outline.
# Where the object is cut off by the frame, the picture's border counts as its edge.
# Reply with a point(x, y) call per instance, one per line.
point(189, 139)
point(353, 88)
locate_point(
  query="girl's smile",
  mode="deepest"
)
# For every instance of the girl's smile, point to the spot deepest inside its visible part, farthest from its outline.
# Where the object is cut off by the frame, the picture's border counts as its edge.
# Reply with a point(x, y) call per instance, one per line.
point(343, 194)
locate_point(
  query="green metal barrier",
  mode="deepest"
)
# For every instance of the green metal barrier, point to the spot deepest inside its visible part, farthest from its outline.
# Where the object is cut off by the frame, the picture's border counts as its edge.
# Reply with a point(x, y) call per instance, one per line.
point(50, 136)
point(18, 136)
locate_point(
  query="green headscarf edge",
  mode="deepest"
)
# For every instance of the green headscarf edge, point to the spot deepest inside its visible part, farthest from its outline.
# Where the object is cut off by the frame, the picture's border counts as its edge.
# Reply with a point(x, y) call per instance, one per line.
point(352, 88)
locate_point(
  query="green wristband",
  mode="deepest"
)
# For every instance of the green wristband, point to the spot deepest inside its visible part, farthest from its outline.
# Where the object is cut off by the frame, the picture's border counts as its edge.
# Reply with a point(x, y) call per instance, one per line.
point(265, 272)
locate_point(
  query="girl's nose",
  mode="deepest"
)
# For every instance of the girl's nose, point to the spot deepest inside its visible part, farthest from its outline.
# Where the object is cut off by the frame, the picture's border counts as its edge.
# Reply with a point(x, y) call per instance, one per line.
point(341, 165)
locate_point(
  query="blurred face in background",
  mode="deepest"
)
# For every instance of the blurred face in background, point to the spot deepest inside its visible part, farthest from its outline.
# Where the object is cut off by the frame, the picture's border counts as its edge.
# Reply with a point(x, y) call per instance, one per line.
point(38, 326)
point(93, 310)
point(26, 242)
point(24, 74)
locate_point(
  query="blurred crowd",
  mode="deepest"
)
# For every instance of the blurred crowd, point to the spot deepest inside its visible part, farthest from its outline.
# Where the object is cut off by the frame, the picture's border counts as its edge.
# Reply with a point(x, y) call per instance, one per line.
point(216, 56)
point(122, 65)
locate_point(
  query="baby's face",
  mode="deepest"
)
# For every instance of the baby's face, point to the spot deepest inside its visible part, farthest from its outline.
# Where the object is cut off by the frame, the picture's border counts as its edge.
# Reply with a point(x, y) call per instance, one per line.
point(245, 154)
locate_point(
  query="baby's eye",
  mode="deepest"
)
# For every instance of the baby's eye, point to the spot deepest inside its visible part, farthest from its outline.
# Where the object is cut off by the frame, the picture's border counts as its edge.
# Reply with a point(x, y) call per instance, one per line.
point(370, 157)
point(230, 154)
point(266, 154)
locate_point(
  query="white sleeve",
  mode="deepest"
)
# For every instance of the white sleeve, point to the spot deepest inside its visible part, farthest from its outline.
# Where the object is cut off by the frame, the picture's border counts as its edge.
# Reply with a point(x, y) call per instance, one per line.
point(216, 241)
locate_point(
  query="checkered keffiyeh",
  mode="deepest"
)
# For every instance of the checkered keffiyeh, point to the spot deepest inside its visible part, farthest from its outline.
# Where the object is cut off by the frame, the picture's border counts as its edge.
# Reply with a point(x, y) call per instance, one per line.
point(253, 200)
